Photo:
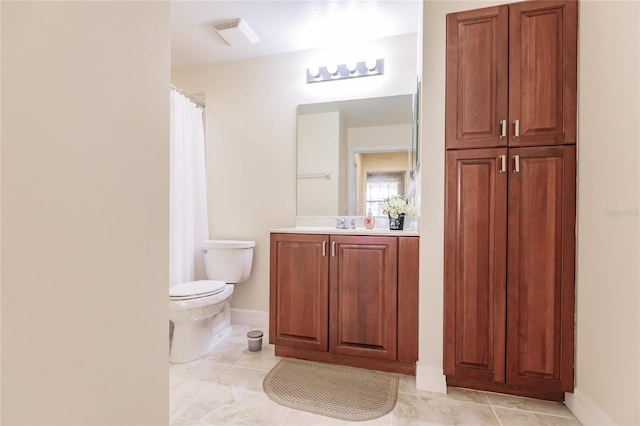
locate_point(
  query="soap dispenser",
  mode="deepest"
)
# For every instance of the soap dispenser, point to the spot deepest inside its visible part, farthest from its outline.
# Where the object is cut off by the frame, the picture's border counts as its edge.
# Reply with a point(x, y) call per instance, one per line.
point(369, 221)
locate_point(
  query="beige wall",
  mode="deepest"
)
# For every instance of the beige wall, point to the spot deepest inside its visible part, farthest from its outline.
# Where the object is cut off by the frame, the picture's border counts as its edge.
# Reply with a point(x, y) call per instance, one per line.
point(607, 266)
point(381, 136)
point(343, 162)
point(432, 185)
point(319, 152)
point(385, 162)
point(0, 217)
point(608, 280)
point(84, 175)
point(251, 139)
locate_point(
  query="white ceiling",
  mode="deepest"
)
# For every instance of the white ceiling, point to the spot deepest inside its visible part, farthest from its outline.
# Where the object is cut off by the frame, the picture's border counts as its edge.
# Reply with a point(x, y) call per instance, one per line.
point(283, 26)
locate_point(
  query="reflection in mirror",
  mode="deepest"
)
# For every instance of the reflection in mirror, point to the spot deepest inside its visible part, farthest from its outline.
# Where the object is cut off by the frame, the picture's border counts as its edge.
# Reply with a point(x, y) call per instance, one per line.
point(354, 154)
point(380, 176)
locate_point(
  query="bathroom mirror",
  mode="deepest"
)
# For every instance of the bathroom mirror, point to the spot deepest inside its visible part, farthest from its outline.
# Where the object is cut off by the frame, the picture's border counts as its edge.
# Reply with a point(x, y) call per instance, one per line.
point(352, 154)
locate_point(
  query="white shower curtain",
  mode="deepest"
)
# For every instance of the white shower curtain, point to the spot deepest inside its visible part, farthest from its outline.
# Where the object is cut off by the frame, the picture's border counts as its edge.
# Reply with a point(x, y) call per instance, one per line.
point(188, 223)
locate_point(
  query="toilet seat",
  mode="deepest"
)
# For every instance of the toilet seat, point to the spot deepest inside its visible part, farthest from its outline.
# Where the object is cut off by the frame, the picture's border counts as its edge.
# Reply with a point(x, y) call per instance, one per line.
point(196, 289)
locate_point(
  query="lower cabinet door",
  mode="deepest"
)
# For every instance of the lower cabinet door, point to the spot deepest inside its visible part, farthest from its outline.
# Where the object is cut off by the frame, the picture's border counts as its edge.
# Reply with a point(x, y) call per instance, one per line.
point(541, 251)
point(475, 264)
point(363, 295)
point(299, 299)
point(509, 268)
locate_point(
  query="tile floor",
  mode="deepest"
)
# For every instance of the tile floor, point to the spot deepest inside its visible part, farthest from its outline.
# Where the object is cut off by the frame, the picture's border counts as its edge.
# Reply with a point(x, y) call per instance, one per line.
point(225, 387)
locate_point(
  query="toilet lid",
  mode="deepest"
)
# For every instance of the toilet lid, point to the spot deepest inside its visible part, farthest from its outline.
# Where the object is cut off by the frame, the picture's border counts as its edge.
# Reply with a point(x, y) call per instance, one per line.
point(195, 289)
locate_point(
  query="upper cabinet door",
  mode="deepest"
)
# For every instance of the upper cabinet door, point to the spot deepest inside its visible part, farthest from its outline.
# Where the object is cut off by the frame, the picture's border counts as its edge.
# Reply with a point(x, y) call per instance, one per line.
point(477, 78)
point(542, 73)
point(511, 76)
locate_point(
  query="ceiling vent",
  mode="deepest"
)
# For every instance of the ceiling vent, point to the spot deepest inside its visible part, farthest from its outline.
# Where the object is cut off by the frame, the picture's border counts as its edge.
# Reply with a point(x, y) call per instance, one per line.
point(235, 32)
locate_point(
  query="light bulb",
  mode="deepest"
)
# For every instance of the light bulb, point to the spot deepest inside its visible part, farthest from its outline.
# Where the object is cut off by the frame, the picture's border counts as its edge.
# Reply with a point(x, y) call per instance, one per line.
point(371, 64)
point(332, 70)
point(352, 67)
point(314, 72)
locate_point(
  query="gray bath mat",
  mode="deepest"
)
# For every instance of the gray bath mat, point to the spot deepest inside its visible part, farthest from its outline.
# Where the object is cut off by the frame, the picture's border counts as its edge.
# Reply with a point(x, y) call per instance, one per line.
point(346, 393)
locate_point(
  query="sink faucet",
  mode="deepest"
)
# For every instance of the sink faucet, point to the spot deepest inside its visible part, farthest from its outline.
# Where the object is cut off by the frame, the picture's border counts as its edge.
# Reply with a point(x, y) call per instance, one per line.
point(342, 223)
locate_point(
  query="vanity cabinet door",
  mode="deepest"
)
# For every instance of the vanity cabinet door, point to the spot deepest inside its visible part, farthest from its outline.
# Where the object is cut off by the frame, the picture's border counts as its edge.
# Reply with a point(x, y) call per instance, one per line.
point(364, 296)
point(299, 291)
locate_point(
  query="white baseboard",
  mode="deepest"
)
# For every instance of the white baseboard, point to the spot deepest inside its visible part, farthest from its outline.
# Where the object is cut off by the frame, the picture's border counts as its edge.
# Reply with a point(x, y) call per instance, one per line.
point(249, 318)
point(430, 379)
point(586, 410)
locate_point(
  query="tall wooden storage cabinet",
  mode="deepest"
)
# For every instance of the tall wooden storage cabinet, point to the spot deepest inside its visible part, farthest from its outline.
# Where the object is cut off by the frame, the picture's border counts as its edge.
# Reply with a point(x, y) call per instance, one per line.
point(510, 198)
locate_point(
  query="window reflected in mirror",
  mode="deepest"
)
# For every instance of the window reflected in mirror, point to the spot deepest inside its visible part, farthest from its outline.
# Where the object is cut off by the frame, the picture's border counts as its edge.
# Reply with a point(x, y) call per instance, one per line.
point(380, 186)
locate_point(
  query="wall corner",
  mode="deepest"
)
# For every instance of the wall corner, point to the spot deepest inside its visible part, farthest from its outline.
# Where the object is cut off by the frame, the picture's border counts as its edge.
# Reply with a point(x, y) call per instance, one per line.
point(430, 379)
point(586, 410)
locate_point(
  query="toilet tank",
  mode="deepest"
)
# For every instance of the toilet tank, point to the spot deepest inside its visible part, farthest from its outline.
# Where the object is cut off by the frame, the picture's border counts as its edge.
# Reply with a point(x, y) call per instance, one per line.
point(228, 260)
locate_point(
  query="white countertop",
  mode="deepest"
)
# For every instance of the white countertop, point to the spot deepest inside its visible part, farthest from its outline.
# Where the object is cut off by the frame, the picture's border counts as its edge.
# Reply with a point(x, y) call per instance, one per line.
point(333, 230)
point(327, 225)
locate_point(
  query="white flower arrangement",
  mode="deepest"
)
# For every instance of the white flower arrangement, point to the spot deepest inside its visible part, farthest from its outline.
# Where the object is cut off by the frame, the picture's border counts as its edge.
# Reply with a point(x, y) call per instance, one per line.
point(395, 206)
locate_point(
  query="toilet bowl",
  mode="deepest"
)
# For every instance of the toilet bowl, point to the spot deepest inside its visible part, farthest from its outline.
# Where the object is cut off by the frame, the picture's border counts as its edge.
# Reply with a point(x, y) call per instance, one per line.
point(200, 311)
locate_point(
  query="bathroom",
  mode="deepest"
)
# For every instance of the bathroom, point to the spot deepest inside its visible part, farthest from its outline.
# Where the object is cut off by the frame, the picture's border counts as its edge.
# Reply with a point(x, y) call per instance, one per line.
point(89, 366)
point(250, 167)
point(262, 158)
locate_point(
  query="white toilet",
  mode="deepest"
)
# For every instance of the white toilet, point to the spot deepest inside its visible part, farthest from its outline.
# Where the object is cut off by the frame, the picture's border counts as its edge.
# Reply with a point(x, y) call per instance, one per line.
point(200, 310)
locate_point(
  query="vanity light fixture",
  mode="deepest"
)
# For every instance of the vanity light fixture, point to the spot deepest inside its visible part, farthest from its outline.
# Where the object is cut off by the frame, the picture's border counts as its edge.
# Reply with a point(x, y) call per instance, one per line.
point(342, 71)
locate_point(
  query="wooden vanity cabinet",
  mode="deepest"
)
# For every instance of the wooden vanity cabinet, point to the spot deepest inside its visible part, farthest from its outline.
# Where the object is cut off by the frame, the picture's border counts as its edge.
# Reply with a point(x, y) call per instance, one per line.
point(346, 299)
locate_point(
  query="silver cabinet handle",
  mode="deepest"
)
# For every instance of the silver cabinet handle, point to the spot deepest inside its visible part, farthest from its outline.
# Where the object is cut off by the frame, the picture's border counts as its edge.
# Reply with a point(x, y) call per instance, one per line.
point(503, 129)
point(324, 248)
point(516, 130)
point(333, 248)
point(503, 163)
point(516, 161)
